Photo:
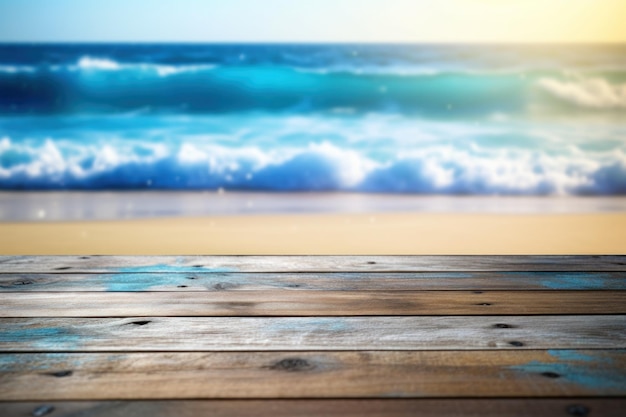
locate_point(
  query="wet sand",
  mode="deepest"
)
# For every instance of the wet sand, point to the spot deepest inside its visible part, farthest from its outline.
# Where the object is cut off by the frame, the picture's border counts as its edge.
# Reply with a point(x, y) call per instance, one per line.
point(319, 233)
point(106, 205)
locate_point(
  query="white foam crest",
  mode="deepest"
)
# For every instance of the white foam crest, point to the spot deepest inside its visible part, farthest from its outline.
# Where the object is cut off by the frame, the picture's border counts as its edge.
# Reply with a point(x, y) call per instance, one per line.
point(14, 69)
point(5, 143)
point(595, 93)
point(351, 166)
point(191, 154)
point(162, 70)
point(88, 63)
point(167, 70)
point(46, 161)
point(449, 170)
point(106, 159)
point(219, 159)
point(382, 154)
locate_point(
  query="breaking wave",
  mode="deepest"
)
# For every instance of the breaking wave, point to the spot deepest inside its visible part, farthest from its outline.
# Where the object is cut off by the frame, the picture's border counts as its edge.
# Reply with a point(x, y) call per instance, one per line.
point(377, 155)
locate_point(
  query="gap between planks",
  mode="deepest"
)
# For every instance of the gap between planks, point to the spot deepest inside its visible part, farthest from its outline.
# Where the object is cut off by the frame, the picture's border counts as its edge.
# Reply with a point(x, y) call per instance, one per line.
point(452, 407)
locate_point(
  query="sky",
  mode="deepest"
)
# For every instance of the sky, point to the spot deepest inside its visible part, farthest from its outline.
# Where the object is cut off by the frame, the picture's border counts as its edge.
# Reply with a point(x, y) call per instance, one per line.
point(501, 21)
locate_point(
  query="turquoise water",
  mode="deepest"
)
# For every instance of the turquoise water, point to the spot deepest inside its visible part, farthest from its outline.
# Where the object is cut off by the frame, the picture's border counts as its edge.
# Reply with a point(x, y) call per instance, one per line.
point(427, 119)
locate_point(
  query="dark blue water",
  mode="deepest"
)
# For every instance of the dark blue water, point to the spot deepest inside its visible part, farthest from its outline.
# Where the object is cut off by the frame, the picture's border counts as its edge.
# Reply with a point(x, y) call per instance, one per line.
point(449, 119)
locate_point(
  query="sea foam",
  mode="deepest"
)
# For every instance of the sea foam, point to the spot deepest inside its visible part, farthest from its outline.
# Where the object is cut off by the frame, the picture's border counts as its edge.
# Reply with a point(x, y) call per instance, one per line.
point(372, 154)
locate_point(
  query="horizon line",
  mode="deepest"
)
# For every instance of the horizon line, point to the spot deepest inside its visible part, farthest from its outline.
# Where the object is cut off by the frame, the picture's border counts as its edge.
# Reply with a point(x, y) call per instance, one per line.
point(314, 42)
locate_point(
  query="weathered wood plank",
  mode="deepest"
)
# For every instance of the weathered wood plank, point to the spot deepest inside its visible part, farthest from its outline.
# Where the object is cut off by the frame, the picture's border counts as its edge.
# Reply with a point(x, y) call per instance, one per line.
point(311, 333)
point(555, 373)
point(328, 281)
point(310, 303)
point(605, 407)
point(51, 264)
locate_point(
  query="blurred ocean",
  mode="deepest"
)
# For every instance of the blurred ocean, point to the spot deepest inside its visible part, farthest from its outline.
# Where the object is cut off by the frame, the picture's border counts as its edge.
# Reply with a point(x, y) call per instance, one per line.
point(427, 119)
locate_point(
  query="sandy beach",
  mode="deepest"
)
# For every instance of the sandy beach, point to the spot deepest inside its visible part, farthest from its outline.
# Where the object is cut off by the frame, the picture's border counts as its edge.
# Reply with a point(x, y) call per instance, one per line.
point(360, 233)
point(197, 223)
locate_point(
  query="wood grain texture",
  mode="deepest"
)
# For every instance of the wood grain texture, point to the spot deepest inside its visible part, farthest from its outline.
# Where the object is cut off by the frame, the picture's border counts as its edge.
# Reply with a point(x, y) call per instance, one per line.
point(101, 264)
point(605, 407)
point(310, 303)
point(312, 375)
point(311, 333)
point(304, 335)
point(328, 281)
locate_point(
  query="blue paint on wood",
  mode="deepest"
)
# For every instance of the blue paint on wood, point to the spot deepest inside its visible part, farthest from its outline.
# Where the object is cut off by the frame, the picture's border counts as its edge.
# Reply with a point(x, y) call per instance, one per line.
point(577, 356)
point(315, 324)
point(144, 278)
point(44, 338)
point(42, 362)
point(451, 275)
point(330, 324)
point(590, 371)
point(129, 282)
point(573, 280)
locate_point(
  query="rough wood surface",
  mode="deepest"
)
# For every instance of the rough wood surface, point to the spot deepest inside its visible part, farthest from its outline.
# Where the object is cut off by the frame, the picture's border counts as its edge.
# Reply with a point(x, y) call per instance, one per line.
point(117, 264)
point(310, 303)
point(311, 333)
point(556, 373)
point(329, 281)
point(605, 407)
point(244, 335)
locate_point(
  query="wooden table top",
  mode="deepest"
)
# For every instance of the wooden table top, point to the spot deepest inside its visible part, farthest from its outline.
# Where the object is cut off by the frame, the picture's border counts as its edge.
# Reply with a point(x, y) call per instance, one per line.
point(312, 335)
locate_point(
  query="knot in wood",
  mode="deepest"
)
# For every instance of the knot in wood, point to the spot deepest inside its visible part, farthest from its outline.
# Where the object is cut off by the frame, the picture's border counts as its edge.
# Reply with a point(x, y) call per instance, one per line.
point(42, 410)
point(292, 365)
point(61, 374)
point(140, 322)
point(223, 286)
point(577, 410)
